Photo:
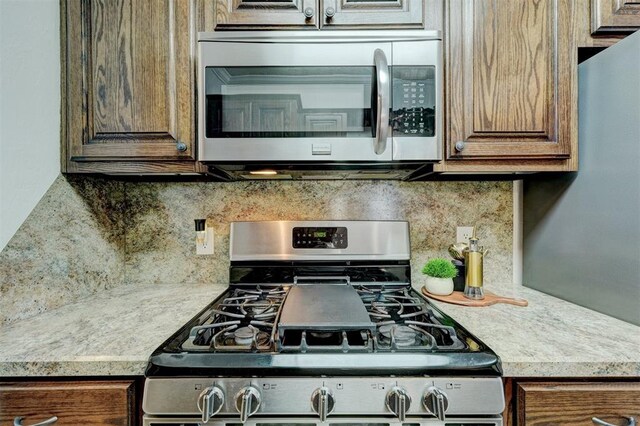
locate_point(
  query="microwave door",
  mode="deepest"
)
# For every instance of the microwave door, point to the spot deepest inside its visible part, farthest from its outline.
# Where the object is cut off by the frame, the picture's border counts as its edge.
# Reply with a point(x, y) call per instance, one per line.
point(286, 102)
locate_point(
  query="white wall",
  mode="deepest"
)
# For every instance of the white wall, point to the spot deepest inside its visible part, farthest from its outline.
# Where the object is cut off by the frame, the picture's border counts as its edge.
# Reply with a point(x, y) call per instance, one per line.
point(29, 107)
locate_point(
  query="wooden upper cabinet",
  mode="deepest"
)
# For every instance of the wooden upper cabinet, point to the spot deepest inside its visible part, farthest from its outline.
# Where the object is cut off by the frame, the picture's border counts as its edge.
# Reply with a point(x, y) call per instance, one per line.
point(265, 14)
point(74, 403)
point(615, 16)
point(311, 14)
point(373, 13)
point(510, 80)
point(569, 404)
point(128, 83)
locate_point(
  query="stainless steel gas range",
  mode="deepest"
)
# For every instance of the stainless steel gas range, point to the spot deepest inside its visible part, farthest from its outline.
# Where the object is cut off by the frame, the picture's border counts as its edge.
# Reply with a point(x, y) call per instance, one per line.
point(320, 325)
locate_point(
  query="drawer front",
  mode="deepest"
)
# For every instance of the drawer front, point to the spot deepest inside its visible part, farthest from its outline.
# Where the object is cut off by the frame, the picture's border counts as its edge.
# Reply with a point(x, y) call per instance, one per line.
point(74, 403)
point(566, 404)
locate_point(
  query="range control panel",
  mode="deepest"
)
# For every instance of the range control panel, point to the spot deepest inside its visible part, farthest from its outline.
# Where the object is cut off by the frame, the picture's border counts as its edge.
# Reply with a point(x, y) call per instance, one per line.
point(320, 238)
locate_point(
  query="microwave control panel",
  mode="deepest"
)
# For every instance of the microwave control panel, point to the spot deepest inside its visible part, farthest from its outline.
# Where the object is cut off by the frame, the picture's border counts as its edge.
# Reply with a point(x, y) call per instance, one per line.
point(320, 238)
point(413, 101)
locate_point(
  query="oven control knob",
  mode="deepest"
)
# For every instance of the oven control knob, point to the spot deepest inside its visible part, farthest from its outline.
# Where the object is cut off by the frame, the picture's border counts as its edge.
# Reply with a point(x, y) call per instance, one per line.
point(398, 402)
point(436, 402)
point(210, 402)
point(322, 402)
point(247, 402)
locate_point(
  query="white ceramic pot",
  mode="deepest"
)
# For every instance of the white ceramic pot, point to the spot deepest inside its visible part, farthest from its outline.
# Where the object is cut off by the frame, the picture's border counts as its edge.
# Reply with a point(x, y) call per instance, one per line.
point(439, 286)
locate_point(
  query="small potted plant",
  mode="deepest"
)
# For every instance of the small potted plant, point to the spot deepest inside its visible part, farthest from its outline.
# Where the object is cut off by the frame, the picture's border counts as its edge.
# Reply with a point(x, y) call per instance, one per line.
point(440, 274)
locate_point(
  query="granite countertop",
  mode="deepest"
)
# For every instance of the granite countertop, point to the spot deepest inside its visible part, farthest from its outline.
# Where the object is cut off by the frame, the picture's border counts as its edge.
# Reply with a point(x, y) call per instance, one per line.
point(114, 333)
point(551, 337)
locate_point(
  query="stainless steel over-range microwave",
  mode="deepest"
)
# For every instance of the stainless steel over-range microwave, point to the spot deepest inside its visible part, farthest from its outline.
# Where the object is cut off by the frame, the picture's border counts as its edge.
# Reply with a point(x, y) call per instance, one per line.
point(326, 104)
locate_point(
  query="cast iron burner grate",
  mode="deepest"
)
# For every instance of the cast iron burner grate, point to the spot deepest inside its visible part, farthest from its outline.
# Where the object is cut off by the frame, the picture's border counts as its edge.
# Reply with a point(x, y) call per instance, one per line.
point(243, 321)
point(405, 322)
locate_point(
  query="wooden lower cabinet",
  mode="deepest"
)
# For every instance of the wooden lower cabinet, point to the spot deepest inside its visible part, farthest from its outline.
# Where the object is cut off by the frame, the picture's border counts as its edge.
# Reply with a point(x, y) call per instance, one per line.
point(576, 403)
point(73, 402)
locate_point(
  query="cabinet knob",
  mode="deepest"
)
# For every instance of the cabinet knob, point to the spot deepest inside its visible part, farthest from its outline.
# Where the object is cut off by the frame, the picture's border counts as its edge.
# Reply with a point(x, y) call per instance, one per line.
point(459, 146)
point(18, 421)
point(329, 12)
point(181, 146)
point(309, 12)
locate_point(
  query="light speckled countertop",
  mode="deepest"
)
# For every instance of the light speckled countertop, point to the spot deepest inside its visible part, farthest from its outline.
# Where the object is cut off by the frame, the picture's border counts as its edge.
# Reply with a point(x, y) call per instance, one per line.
point(114, 334)
point(551, 337)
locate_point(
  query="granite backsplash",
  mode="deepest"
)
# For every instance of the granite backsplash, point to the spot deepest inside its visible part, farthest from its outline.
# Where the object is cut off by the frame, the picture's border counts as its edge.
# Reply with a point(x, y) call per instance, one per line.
point(88, 234)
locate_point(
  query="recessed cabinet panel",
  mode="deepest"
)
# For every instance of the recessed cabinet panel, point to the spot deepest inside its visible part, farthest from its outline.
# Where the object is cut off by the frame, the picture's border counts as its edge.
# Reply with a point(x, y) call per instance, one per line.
point(373, 13)
point(270, 14)
point(503, 79)
point(73, 403)
point(256, 14)
point(615, 16)
point(129, 80)
point(569, 404)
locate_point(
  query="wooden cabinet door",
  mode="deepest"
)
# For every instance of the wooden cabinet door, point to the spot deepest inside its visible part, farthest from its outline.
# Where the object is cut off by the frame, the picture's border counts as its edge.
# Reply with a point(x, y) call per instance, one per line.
point(263, 14)
point(129, 81)
point(74, 403)
point(510, 80)
point(373, 13)
point(567, 404)
point(615, 16)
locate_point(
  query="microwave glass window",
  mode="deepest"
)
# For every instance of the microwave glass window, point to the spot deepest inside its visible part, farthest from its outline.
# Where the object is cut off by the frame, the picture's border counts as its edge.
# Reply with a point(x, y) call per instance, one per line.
point(289, 102)
point(414, 101)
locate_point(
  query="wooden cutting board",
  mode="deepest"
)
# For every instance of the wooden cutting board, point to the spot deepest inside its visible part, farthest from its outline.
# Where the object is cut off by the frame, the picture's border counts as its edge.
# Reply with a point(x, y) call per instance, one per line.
point(457, 298)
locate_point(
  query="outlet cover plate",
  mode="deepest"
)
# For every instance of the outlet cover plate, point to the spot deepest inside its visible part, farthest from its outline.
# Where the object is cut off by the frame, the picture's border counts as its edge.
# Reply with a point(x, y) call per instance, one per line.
point(207, 247)
point(463, 233)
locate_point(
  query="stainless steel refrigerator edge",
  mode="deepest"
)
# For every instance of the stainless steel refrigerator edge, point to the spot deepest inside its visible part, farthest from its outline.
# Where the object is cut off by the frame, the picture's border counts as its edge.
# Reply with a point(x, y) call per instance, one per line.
point(582, 230)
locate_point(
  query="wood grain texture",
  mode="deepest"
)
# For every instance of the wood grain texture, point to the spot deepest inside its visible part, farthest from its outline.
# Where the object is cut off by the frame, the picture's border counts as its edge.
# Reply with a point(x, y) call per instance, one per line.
point(374, 14)
point(509, 402)
point(615, 16)
point(74, 403)
point(567, 404)
point(289, 14)
point(129, 80)
point(159, 167)
point(583, 22)
point(264, 14)
point(503, 79)
point(457, 298)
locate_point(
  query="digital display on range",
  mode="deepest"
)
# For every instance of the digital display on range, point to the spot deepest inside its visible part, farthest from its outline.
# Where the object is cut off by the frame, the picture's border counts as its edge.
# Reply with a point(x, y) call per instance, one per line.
point(320, 238)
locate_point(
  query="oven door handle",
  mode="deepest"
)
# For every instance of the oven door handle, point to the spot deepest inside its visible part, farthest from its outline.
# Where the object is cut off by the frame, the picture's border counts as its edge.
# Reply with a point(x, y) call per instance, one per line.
point(382, 101)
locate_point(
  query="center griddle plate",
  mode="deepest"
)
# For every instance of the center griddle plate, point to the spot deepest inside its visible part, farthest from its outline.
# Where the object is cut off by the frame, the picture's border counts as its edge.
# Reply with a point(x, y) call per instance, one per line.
point(324, 307)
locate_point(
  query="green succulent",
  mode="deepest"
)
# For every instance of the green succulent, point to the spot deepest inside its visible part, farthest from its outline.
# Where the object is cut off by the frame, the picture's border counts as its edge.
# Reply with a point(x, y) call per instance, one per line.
point(440, 268)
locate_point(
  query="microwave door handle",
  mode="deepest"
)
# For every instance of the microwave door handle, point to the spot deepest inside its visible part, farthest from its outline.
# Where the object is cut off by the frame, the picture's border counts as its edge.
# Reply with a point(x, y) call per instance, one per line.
point(382, 101)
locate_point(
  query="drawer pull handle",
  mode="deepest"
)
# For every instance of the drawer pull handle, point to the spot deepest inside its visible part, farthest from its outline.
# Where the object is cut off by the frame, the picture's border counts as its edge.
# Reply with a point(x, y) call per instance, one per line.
point(18, 421)
point(631, 421)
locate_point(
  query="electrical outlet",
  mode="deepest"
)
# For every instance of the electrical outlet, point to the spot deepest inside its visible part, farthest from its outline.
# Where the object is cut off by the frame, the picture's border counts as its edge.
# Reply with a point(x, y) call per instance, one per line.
point(463, 233)
point(204, 243)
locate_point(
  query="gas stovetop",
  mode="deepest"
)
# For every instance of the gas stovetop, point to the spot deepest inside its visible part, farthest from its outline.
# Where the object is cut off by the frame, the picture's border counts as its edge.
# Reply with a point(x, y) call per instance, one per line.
point(250, 320)
point(320, 319)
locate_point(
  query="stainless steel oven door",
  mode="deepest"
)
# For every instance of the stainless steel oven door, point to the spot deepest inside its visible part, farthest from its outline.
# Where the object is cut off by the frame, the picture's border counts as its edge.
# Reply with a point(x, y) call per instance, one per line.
point(301, 421)
point(317, 98)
